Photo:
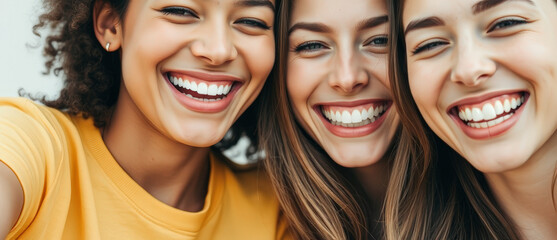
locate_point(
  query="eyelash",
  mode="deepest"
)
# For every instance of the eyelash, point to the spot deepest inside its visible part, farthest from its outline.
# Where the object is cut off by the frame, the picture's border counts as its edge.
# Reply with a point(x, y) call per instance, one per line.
point(309, 47)
point(179, 11)
point(253, 23)
point(184, 12)
point(506, 23)
point(428, 47)
point(374, 40)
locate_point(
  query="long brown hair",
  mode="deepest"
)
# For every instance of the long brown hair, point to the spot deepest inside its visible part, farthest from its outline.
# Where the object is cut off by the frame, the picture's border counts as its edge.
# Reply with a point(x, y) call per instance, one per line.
point(441, 195)
point(315, 193)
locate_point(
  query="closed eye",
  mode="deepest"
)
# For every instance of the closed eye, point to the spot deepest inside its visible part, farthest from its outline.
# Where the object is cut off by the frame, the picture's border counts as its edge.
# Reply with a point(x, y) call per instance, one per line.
point(179, 11)
point(506, 23)
point(428, 46)
point(250, 22)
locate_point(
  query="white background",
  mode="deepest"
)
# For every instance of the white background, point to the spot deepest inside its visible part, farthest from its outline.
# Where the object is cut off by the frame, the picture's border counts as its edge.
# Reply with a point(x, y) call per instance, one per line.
point(21, 64)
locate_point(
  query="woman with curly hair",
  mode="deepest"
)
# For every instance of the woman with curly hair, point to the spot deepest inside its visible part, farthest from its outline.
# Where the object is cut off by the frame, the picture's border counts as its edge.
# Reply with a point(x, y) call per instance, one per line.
point(124, 152)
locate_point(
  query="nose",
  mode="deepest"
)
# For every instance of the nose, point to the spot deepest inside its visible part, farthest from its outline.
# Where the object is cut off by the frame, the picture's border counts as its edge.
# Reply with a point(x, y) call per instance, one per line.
point(215, 44)
point(473, 64)
point(349, 74)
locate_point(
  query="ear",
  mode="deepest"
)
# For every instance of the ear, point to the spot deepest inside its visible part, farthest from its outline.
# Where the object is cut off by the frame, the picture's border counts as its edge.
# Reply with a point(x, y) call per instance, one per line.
point(107, 27)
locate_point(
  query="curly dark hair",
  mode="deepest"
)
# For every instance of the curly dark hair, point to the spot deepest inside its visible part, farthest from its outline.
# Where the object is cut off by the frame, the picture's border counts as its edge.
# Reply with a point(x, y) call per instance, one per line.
point(92, 75)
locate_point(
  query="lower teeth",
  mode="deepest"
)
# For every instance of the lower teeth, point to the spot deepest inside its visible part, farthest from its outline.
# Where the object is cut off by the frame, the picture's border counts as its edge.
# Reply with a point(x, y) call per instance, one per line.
point(203, 99)
point(490, 123)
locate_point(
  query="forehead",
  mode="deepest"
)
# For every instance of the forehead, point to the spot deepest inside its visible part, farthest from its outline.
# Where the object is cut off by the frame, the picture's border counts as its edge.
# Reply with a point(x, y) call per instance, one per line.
point(425, 8)
point(336, 10)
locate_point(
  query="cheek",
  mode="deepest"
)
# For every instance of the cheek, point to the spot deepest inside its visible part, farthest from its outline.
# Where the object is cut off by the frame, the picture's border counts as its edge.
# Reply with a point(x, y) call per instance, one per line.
point(422, 84)
point(300, 83)
point(259, 55)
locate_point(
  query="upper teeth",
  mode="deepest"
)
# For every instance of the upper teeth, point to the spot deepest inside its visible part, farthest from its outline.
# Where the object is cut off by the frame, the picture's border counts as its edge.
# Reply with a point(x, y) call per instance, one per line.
point(490, 111)
point(356, 116)
point(201, 88)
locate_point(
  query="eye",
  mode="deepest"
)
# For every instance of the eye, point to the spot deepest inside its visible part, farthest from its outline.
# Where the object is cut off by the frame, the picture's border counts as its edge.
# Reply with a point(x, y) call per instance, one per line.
point(506, 23)
point(310, 47)
point(428, 46)
point(377, 41)
point(250, 22)
point(178, 11)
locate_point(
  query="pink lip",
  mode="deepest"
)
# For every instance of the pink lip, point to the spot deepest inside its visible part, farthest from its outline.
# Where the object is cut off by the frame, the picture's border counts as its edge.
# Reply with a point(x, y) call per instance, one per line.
point(484, 133)
point(353, 132)
point(202, 106)
point(205, 76)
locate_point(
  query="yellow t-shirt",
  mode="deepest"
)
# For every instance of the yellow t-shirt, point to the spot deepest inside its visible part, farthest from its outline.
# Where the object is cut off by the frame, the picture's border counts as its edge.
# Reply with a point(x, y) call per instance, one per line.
point(74, 189)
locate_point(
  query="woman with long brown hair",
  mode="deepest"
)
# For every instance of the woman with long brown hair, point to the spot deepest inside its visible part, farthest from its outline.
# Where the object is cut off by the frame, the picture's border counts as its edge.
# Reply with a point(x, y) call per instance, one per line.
point(481, 75)
point(330, 118)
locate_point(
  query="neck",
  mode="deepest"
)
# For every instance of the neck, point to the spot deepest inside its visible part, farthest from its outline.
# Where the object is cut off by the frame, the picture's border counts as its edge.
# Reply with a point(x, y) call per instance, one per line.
point(525, 193)
point(374, 179)
point(174, 173)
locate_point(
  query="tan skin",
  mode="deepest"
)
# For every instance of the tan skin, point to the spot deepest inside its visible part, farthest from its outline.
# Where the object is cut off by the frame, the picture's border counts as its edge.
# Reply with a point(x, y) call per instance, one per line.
point(159, 136)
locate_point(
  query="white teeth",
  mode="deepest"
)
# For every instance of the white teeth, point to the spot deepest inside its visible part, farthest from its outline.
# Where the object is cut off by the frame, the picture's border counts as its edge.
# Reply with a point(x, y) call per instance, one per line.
point(507, 105)
point(354, 118)
point(212, 90)
point(490, 123)
point(488, 112)
point(201, 88)
point(477, 114)
point(346, 117)
point(499, 107)
point(468, 114)
point(365, 114)
point(491, 113)
point(193, 86)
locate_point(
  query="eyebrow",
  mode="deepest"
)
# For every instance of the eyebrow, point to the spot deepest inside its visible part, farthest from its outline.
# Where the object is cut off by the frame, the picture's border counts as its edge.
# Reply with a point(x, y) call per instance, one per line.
point(372, 22)
point(313, 27)
point(424, 23)
point(478, 7)
point(484, 5)
point(322, 28)
point(256, 3)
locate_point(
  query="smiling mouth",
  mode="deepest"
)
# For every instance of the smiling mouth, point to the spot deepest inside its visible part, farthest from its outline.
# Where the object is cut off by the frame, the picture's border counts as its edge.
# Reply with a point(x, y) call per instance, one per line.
point(352, 117)
point(200, 90)
point(491, 112)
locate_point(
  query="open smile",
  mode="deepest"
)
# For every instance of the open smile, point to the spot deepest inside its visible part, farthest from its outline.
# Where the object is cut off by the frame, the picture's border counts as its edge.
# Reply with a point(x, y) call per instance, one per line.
point(353, 119)
point(203, 92)
point(489, 117)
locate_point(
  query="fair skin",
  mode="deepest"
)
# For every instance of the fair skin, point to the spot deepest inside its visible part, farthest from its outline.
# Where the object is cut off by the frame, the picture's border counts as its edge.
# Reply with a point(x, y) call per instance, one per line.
point(337, 66)
point(159, 132)
point(471, 55)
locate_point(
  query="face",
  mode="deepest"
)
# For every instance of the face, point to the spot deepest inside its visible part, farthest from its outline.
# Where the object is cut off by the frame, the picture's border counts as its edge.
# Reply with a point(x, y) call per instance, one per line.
point(337, 77)
point(483, 75)
point(192, 67)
